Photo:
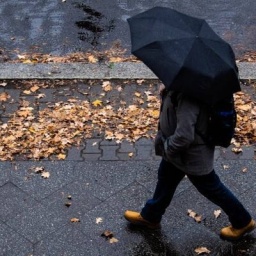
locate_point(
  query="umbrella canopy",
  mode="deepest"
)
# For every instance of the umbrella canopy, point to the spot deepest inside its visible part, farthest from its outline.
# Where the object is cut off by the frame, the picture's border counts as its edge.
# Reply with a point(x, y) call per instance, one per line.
point(185, 53)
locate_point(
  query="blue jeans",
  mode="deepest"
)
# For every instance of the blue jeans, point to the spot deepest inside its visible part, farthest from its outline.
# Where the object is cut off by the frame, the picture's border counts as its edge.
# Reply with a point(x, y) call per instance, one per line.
point(208, 185)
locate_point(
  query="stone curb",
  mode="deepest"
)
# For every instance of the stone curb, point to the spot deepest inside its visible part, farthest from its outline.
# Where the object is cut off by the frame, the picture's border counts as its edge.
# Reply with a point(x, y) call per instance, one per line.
point(124, 70)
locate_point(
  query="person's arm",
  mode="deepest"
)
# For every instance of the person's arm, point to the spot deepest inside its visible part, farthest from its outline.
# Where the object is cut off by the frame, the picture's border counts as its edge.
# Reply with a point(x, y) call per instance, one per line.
point(187, 112)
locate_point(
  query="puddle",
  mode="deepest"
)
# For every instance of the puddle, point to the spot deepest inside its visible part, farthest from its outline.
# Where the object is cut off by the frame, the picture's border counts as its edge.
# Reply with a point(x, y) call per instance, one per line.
point(94, 25)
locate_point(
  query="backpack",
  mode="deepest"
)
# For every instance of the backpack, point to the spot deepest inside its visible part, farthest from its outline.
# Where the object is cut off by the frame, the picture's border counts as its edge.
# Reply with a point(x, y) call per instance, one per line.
point(221, 122)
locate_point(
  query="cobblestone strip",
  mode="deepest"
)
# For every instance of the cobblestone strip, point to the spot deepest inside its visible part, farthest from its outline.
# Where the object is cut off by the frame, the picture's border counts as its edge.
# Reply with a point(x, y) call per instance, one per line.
point(143, 149)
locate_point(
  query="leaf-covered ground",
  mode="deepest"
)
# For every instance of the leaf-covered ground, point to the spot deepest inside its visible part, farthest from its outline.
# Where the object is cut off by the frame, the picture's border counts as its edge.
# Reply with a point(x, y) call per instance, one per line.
point(119, 111)
point(115, 53)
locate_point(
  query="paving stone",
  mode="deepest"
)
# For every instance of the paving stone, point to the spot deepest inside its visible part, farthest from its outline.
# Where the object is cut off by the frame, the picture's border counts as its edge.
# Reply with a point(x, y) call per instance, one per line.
point(13, 201)
point(75, 154)
point(1, 109)
point(87, 172)
point(91, 157)
point(12, 243)
point(109, 153)
point(193, 200)
point(109, 143)
point(105, 177)
point(125, 156)
point(246, 198)
point(92, 146)
point(247, 153)
point(49, 95)
point(247, 245)
point(63, 94)
point(144, 142)
point(66, 241)
point(4, 172)
point(82, 199)
point(143, 152)
point(238, 175)
point(14, 94)
point(43, 105)
point(38, 222)
point(61, 173)
point(147, 176)
point(10, 109)
point(126, 147)
point(195, 236)
point(133, 197)
point(101, 218)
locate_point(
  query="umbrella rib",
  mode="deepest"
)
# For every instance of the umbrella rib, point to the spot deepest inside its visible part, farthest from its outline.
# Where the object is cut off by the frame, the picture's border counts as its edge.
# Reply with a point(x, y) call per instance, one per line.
point(218, 55)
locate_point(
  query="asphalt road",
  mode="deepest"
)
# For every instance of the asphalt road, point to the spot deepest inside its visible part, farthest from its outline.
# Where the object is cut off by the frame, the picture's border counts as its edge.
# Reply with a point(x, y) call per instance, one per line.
point(63, 26)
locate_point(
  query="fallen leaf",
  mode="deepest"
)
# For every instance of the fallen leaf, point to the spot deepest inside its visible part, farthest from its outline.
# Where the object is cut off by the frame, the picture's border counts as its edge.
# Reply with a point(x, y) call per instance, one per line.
point(198, 218)
point(245, 169)
point(115, 59)
point(106, 86)
point(3, 84)
point(217, 213)
point(45, 175)
point(113, 240)
point(61, 156)
point(4, 96)
point(237, 150)
point(68, 204)
point(27, 92)
point(139, 82)
point(99, 220)
point(107, 234)
point(39, 169)
point(21, 57)
point(137, 94)
point(194, 215)
point(92, 59)
point(130, 154)
point(34, 88)
point(201, 250)
point(119, 88)
point(40, 96)
point(97, 103)
point(74, 220)
point(226, 166)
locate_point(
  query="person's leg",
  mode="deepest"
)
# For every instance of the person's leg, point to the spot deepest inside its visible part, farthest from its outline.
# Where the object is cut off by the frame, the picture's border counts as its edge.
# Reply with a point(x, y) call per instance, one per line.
point(212, 188)
point(168, 179)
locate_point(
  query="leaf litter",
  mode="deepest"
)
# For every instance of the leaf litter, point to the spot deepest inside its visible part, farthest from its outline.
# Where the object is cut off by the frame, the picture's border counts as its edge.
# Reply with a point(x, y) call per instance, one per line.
point(52, 130)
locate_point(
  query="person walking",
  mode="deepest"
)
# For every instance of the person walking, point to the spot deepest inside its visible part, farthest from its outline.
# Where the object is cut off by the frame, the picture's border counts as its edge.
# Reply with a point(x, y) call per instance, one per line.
point(184, 152)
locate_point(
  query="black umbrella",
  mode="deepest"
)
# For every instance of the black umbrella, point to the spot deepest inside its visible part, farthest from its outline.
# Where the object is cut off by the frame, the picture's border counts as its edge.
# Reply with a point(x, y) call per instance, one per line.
point(184, 53)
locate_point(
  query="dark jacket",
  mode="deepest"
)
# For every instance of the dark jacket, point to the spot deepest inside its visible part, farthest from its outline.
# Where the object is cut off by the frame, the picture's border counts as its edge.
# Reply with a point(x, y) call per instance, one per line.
point(177, 134)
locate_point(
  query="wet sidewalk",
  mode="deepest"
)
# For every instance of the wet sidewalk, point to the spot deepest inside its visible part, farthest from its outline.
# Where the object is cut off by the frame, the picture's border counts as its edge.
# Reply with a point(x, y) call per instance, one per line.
point(36, 214)
point(84, 196)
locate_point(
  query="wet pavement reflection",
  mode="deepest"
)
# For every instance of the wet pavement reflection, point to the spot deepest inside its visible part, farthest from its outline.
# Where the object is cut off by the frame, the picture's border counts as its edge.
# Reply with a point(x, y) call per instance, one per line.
point(93, 25)
point(157, 243)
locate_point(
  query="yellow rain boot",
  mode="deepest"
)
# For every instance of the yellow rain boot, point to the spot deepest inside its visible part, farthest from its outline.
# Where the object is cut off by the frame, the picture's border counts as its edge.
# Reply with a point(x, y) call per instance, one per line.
point(136, 219)
point(231, 233)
